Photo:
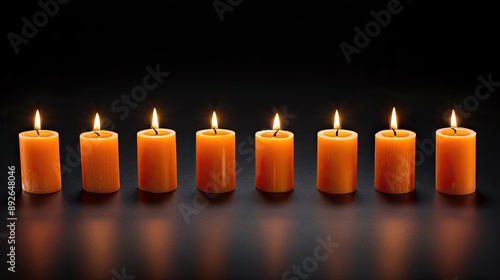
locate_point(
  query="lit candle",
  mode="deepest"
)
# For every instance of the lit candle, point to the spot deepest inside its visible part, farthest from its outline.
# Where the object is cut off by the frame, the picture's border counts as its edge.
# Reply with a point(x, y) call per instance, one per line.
point(455, 159)
point(395, 159)
point(99, 156)
point(215, 159)
point(156, 158)
point(40, 162)
point(274, 159)
point(337, 159)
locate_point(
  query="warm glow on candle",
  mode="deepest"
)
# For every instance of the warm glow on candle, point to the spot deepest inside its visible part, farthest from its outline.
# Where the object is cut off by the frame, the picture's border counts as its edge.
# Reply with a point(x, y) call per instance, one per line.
point(40, 160)
point(156, 158)
point(394, 121)
point(97, 122)
point(453, 119)
point(215, 158)
point(37, 121)
point(455, 159)
point(274, 159)
point(336, 120)
point(336, 164)
point(100, 159)
point(276, 124)
point(214, 121)
point(395, 159)
point(154, 122)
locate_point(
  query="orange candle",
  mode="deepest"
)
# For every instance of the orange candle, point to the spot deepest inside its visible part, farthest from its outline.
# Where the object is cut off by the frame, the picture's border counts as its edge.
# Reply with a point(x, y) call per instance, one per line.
point(99, 156)
point(40, 162)
point(337, 159)
point(215, 159)
point(274, 162)
point(156, 158)
point(455, 159)
point(395, 159)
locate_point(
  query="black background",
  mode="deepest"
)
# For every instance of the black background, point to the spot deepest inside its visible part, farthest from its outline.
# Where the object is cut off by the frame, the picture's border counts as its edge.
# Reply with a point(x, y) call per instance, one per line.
point(261, 59)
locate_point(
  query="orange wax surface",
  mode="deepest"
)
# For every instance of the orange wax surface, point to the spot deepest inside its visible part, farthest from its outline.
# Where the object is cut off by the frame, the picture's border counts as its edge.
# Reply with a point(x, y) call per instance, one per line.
point(215, 160)
point(456, 161)
point(274, 161)
point(395, 161)
point(337, 159)
point(40, 161)
point(100, 165)
point(157, 160)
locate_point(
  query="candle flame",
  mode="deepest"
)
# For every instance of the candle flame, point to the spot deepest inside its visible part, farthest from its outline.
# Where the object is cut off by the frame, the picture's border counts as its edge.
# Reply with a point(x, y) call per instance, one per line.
point(97, 122)
point(37, 121)
point(453, 119)
point(276, 124)
point(154, 121)
point(336, 120)
point(394, 121)
point(214, 121)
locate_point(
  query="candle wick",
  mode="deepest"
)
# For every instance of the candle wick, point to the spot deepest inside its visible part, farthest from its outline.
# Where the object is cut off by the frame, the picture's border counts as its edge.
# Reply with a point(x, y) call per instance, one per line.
point(394, 132)
point(98, 135)
point(37, 132)
point(276, 133)
point(156, 132)
point(454, 131)
point(215, 130)
point(337, 132)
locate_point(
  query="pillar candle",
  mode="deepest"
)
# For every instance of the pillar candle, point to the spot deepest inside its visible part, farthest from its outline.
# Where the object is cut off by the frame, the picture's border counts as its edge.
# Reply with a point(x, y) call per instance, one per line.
point(156, 158)
point(337, 158)
point(274, 159)
point(455, 159)
point(40, 161)
point(99, 158)
point(395, 159)
point(215, 159)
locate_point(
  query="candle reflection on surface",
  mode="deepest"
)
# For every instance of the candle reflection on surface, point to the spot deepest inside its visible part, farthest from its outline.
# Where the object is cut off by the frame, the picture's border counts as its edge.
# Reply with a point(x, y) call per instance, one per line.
point(394, 242)
point(39, 229)
point(98, 235)
point(274, 234)
point(214, 234)
point(213, 249)
point(157, 247)
point(157, 233)
point(342, 227)
point(395, 235)
point(455, 225)
point(274, 225)
point(98, 242)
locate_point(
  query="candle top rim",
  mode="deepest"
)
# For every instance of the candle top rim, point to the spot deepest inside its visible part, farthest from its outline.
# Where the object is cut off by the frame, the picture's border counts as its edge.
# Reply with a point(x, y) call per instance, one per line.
point(105, 134)
point(149, 133)
point(44, 133)
point(351, 134)
point(470, 132)
point(286, 133)
point(209, 132)
point(408, 134)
